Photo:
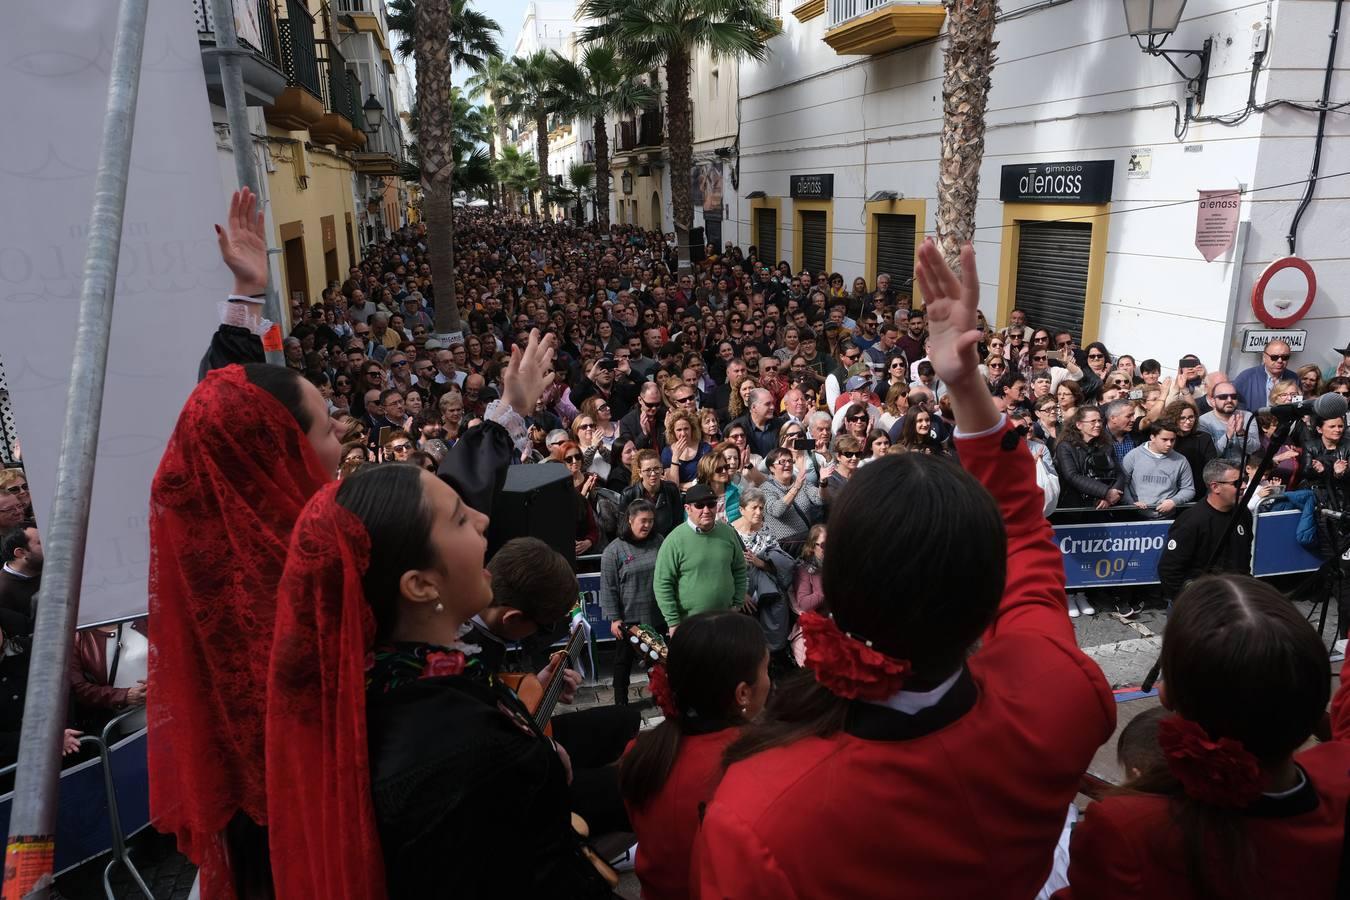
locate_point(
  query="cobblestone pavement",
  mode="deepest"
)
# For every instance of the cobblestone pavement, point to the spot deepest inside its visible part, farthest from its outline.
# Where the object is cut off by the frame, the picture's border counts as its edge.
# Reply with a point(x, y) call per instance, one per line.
point(1124, 650)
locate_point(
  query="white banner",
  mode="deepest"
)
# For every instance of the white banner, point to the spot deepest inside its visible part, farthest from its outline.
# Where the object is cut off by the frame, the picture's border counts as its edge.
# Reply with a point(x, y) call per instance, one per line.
point(170, 277)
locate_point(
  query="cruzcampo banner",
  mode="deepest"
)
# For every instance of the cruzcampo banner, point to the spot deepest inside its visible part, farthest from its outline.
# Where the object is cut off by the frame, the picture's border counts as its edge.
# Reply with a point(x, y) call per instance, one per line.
point(1112, 554)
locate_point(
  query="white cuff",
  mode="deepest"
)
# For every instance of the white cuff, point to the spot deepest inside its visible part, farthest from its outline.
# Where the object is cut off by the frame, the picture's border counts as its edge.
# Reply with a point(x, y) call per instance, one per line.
point(500, 411)
point(1002, 421)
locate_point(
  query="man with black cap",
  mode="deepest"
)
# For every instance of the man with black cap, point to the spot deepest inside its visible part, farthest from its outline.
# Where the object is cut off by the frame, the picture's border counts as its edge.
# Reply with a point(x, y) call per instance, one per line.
point(701, 564)
point(1341, 369)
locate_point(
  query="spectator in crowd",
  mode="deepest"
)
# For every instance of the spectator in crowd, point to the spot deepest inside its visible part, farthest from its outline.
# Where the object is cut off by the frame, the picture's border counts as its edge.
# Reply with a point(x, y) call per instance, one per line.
point(1253, 385)
point(1233, 430)
point(701, 566)
point(1119, 430)
point(15, 483)
point(627, 592)
point(1088, 472)
point(587, 533)
point(760, 422)
point(1193, 442)
point(645, 424)
point(650, 484)
point(714, 680)
point(107, 672)
point(1157, 478)
point(1200, 541)
point(769, 572)
point(684, 448)
point(21, 575)
point(878, 444)
point(792, 503)
point(914, 434)
point(12, 511)
point(716, 473)
point(748, 465)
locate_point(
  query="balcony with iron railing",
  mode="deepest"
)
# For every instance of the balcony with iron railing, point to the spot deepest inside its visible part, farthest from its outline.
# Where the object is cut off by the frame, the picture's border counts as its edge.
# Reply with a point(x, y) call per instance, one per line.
point(343, 122)
point(359, 10)
point(300, 105)
point(383, 153)
point(256, 23)
point(645, 133)
point(864, 27)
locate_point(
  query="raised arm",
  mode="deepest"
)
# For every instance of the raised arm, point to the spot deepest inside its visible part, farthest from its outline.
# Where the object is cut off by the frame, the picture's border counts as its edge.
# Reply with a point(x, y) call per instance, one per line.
point(992, 451)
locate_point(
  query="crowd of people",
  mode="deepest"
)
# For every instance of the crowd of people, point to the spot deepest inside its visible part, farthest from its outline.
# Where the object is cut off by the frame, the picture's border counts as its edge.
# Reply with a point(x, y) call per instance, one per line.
point(828, 716)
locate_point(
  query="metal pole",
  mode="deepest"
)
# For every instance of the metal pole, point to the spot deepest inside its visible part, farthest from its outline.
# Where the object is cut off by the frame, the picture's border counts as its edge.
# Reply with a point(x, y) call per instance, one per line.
point(227, 52)
point(29, 853)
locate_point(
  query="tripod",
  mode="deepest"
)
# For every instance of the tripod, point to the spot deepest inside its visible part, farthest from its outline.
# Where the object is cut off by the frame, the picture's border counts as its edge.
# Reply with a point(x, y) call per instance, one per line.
point(1332, 572)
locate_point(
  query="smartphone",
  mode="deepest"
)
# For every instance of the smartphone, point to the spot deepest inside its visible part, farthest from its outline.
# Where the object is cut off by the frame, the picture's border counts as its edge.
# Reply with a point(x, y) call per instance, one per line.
point(384, 434)
point(608, 363)
point(802, 443)
point(1137, 395)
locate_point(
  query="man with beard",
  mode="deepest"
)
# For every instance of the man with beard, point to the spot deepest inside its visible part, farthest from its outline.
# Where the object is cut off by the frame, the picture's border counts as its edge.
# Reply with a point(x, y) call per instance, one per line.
point(21, 575)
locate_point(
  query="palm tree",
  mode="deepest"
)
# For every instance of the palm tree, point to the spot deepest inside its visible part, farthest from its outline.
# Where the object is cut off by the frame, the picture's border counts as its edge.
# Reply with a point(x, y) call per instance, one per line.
point(667, 33)
point(493, 81)
point(440, 34)
point(582, 177)
point(968, 58)
point(519, 174)
point(603, 84)
point(531, 82)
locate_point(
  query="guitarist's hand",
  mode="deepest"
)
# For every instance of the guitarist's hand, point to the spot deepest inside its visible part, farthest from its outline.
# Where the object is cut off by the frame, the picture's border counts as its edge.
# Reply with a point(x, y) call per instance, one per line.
point(571, 680)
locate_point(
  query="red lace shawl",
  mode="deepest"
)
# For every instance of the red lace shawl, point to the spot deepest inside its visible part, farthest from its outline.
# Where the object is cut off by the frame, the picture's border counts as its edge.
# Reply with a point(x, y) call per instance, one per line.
point(323, 833)
point(234, 477)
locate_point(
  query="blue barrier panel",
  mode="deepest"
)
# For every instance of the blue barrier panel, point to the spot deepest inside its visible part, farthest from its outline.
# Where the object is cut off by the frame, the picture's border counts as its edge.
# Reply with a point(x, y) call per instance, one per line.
point(1275, 551)
point(590, 603)
point(1111, 554)
point(82, 826)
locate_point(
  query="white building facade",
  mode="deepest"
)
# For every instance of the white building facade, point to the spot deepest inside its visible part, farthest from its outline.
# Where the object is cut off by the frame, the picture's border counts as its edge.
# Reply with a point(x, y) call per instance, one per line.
point(1087, 212)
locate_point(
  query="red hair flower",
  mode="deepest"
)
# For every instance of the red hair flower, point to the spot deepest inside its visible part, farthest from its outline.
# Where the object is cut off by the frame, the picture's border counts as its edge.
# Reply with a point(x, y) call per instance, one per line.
point(444, 662)
point(658, 682)
point(848, 666)
point(1218, 772)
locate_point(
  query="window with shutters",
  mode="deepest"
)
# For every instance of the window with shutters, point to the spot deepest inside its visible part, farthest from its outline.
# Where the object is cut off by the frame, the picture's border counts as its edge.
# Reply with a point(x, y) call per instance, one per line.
point(1052, 273)
point(812, 224)
point(895, 251)
point(766, 235)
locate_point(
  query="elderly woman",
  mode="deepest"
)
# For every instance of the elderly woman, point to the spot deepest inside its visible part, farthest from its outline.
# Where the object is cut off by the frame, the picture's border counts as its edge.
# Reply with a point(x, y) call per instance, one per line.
point(792, 505)
point(715, 472)
point(583, 482)
point(626, 595)
point(848, 454)
point(769, 570)
point(684, 447)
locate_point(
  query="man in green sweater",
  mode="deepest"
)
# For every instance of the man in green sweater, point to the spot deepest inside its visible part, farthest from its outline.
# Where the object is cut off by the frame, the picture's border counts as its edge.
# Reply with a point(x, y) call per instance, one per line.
point(701, 565)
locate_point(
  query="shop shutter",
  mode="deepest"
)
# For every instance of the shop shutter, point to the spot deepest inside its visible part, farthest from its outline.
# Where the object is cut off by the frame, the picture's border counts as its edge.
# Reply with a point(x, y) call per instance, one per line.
point(813, 242)
point(712, 228)
point(766, 235)
point(1052, 273)
point(895, 251)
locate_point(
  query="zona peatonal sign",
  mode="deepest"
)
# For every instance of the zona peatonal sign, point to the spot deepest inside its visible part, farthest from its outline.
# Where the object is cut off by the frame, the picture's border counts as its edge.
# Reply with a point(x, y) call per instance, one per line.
point(1083, 181)
point(811, 187)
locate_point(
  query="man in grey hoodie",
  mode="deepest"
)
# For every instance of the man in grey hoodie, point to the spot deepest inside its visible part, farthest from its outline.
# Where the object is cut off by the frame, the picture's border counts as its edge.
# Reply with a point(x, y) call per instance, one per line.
point(1157, 478)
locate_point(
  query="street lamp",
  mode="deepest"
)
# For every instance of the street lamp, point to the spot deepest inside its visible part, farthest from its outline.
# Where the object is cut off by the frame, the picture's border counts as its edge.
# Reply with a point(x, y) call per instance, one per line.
point(627, 181)
point(374, 114)
point(1151, 23)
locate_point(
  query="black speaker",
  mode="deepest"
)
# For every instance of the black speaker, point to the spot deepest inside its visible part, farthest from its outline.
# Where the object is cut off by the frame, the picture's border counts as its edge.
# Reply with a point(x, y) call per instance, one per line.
point(697, 248)
point(538, 501)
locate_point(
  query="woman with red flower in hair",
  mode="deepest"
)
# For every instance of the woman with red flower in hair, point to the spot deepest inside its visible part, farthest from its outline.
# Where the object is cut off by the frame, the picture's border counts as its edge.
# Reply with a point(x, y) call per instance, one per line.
point(904, 761)
point(1229, 810)
point(715, 679)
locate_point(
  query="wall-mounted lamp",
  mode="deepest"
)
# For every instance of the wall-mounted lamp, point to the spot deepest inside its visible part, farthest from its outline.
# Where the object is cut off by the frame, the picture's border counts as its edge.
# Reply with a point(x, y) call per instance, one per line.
point(756, 195)
point(883, 195)
point(1151, 23)
point(627, 181)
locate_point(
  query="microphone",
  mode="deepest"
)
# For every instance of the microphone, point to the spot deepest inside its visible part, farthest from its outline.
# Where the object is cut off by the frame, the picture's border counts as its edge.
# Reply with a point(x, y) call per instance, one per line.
point(1333, 514)
point(1328, 406)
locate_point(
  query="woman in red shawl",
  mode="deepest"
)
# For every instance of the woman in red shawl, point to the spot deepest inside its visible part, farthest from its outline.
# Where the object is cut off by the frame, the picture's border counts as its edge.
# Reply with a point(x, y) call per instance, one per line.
point(252, 444)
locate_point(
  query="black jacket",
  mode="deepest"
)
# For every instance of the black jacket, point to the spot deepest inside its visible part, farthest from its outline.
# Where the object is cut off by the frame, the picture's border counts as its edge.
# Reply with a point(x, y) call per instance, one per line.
point(669, 505)
point(471, 800)
point(1198, 448)
point(630, 429)
point(1086, 473)
point(1191, 541)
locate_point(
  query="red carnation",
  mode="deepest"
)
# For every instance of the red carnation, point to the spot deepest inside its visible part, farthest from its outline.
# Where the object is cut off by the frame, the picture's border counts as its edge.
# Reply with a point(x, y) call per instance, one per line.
point(845, 665)
point(444, 662)
point(658, 683)
point(1218, 772)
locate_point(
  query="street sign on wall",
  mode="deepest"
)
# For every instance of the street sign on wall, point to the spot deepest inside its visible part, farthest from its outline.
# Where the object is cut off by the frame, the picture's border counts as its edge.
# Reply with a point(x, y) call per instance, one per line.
point(1254, 340)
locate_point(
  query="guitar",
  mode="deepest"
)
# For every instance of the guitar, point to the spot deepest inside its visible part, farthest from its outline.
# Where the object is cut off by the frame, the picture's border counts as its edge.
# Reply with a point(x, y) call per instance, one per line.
point(650, 646)
point(540, 698)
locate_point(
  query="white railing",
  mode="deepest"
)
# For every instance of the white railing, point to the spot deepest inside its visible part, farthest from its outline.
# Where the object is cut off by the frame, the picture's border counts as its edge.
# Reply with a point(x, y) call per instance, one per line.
point(838, 12)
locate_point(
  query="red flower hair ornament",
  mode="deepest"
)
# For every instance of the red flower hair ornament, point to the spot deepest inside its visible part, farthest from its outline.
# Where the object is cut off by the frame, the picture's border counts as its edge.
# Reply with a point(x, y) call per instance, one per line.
point(847, 665)
point(658, 682)
point(1219, 772)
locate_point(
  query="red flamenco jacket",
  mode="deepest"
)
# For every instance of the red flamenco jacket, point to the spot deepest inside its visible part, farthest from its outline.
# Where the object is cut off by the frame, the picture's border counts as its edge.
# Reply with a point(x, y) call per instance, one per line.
point(1128, 846)
point(963, 799)
point(667, 824)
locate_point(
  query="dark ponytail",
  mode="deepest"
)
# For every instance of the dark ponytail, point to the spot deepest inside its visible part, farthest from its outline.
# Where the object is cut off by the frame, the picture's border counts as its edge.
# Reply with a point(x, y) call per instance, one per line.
point(1241, 662)
point(285, 385)
point(710, 654)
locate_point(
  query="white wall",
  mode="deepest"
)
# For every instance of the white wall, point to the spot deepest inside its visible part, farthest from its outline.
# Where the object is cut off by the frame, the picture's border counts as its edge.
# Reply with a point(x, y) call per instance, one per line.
point(1071, 85)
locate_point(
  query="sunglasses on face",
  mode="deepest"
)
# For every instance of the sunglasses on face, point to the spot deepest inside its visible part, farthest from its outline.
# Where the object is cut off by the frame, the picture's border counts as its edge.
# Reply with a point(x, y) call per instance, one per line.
point(858, 418)
point(585, 426)
point(849, 454)
point(399, 448)
point(1278, 357)
point(1041, 358)
point(17, 489)
point(572, 459)
point(1225, 396)
point(704, 504)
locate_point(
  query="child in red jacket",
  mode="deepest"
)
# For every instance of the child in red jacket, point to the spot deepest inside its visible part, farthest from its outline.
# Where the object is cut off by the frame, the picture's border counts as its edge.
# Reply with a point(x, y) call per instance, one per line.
point(715, 679)
point(902, 765)
point(1229, 810)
